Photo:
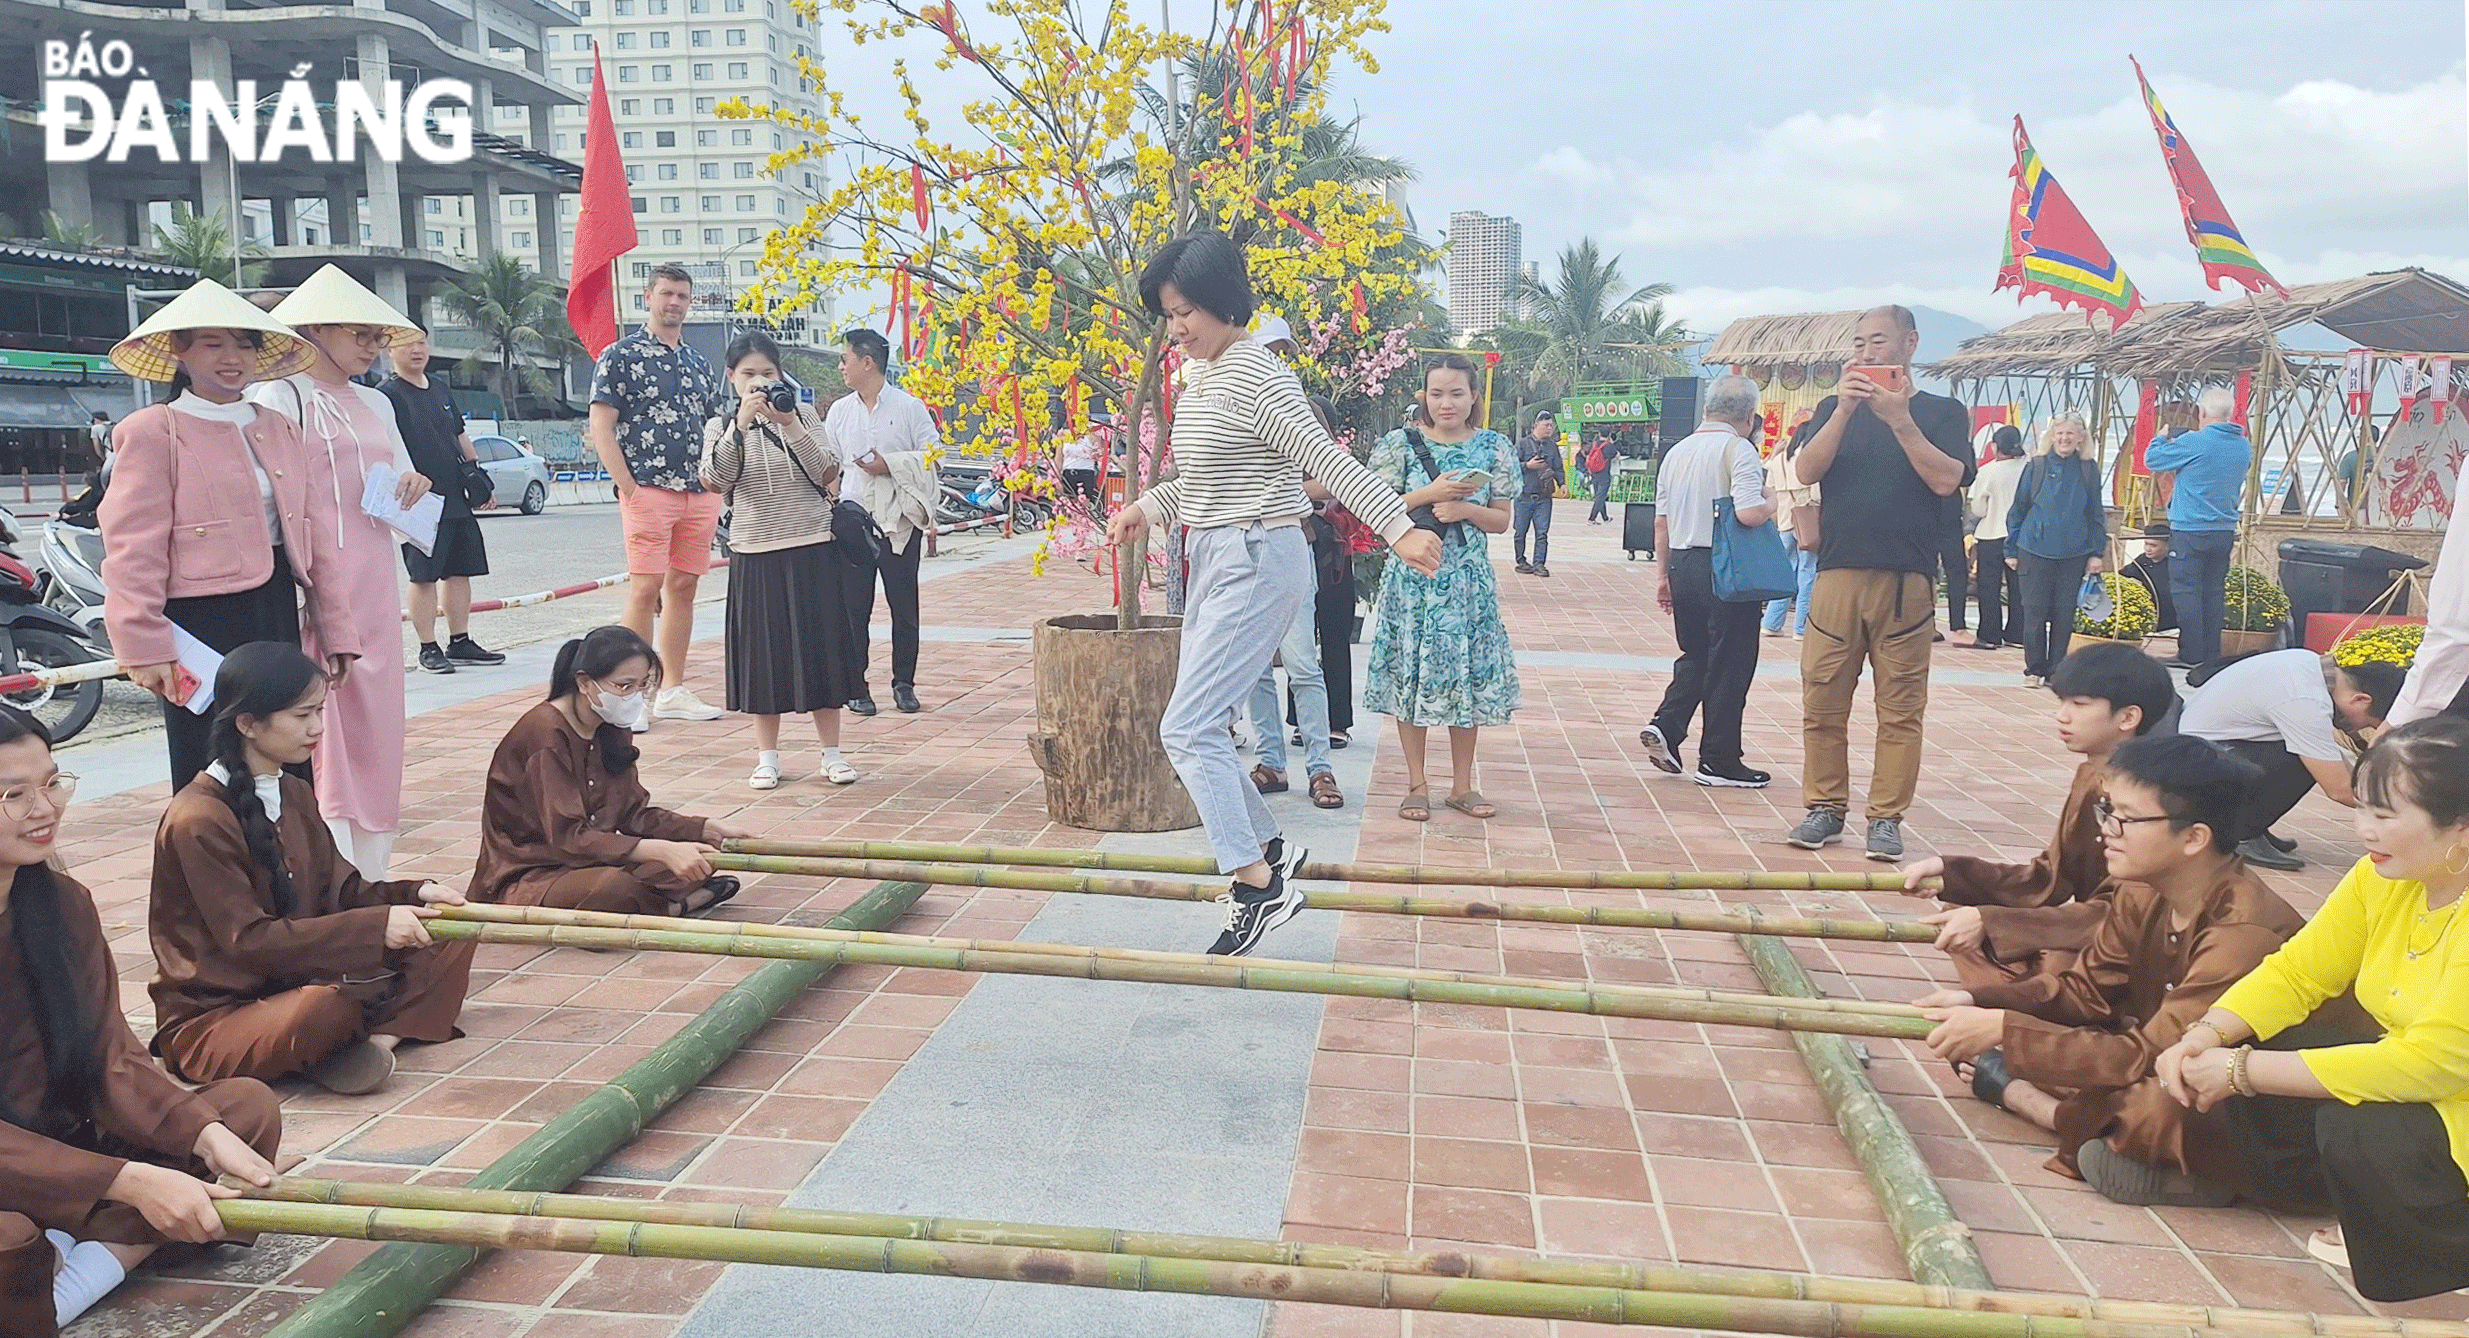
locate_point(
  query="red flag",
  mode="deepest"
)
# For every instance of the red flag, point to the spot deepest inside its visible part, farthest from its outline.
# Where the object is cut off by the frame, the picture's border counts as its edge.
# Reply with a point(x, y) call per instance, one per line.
point(603, 226)
point(2219, 247)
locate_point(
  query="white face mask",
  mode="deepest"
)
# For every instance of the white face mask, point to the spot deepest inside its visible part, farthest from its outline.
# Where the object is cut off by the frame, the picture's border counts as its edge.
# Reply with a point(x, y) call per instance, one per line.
point(624, 712)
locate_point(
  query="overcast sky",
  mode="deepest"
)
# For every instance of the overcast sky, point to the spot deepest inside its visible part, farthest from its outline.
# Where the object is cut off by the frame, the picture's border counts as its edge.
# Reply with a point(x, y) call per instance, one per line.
point(1773, 156)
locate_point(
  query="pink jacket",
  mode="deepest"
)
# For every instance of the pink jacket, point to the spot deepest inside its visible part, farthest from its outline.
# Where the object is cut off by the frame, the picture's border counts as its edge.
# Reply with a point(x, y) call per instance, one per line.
point(183, 518)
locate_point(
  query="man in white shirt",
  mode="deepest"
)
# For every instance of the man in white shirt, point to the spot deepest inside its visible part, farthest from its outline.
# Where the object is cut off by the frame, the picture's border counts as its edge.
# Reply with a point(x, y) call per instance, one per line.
point(1718, 638)
point(2439, 678)
point(2278, 710)
point(876, 427)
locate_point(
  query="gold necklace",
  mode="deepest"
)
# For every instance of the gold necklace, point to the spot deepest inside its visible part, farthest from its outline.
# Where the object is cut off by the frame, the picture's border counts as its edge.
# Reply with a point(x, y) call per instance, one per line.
point(2450, 914)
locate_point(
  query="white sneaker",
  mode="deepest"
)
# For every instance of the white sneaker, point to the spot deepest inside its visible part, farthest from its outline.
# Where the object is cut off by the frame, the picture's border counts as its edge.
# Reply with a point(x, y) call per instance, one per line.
point(680, 703)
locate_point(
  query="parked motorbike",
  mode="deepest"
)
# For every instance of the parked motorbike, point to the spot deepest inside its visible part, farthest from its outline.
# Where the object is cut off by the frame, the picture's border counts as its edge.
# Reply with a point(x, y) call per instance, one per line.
point(35, 636)
point(68, 575)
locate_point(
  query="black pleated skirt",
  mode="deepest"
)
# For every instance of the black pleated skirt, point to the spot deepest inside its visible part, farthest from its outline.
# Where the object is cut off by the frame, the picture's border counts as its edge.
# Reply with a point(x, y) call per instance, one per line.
point(792, 644)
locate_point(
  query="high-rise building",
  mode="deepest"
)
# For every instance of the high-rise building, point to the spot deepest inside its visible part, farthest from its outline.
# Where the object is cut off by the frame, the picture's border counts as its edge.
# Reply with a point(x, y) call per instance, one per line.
point(701, 196)
point(1484, 265)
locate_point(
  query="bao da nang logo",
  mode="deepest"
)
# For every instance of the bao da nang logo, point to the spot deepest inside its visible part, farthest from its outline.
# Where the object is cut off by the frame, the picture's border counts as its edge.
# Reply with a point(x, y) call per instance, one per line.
point(82, 121)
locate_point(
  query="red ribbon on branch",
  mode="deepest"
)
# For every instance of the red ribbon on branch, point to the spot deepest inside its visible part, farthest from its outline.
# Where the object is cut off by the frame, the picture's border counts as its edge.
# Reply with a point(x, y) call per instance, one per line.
point(947, 18)
point(917, 196)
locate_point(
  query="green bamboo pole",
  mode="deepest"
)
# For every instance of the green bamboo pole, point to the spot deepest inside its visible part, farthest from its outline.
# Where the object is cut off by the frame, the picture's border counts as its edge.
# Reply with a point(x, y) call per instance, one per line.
point(1298, 1254)
point(1936, 1244)
point(1152, 1273)
point(1625, 917)
point(1607, 879)
point(385, 1291)
point(548, 915)
point(1224, 973)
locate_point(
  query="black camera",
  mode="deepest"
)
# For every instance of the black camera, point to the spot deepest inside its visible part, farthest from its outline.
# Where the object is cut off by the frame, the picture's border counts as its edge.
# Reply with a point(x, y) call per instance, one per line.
point(782, 395)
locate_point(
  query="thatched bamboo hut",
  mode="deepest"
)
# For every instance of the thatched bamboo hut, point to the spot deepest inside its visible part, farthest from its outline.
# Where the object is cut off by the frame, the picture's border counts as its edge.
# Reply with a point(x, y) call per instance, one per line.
point(2317, 463)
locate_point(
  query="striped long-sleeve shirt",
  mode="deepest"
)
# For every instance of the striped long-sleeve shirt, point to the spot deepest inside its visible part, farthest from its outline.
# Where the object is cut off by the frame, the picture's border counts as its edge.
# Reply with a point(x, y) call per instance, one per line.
point(1244, 437)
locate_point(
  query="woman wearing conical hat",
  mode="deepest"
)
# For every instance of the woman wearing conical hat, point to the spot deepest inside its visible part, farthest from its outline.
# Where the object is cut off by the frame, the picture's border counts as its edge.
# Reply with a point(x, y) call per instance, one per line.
point(349, 430)
point(211, 525)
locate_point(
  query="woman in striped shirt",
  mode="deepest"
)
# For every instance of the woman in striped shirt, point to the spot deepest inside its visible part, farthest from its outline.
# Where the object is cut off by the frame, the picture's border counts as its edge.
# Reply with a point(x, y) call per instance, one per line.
point(1244, 437)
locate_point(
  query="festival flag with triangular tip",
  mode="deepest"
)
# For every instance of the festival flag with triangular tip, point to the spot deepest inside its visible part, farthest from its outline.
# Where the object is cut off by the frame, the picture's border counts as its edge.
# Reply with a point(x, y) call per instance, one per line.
point(2219, 247)
point(2051, 249)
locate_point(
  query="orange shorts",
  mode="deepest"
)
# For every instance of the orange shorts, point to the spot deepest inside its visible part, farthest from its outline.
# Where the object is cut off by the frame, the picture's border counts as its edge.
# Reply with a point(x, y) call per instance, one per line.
point(669, 531)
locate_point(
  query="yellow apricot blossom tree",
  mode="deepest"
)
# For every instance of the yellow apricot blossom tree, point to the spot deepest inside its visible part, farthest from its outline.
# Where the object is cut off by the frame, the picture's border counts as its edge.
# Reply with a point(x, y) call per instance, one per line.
point(1011, 251)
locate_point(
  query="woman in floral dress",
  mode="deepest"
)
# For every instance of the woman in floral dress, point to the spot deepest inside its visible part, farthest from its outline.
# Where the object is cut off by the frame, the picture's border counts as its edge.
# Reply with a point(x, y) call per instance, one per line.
point(1440, 654)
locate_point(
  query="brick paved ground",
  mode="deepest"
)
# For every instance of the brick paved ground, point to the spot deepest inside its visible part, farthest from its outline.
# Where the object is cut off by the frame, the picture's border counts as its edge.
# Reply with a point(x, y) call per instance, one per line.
point(1424, 1124)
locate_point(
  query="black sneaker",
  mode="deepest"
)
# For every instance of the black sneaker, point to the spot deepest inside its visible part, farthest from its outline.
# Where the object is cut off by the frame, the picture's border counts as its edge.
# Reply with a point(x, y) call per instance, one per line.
point(1735, 776)
point(2284, 844)
point(862, 706)
point(1525, 568)
point(1659, 750)
point(1820, 827)
point(433, 660)
point(1885, 839)
point(1251, 912)
point(2260, 852)
point(464, 650)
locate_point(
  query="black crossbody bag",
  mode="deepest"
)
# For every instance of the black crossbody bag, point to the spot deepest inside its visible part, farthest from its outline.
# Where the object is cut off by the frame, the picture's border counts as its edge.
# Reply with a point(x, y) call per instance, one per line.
point(1450, 531)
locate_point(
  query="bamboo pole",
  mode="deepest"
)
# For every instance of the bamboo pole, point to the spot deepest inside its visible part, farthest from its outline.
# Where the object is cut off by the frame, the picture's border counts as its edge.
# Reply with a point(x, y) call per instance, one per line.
point(548, 915)
point(1622, 917)
point(1299, 1254)
point(387, 1290)
point(1155, 1273)
point(1604, 879)
point(1223, 973)
point(1935, 1243)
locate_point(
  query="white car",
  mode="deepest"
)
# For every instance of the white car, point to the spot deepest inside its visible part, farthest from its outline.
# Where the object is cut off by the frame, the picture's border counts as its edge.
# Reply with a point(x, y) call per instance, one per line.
point(522, 479)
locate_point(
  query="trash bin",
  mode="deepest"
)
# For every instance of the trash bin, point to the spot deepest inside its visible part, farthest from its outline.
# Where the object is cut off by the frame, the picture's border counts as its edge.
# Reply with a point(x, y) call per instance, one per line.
point(2326, 577)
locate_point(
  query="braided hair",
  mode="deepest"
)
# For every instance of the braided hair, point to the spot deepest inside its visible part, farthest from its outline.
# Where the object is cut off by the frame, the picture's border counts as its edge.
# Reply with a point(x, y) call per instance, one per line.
point(599, 653)
point(38, 915)
point(258, 680)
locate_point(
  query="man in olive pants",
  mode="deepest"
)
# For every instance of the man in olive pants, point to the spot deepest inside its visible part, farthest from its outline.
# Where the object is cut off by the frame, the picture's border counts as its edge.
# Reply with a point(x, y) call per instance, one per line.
point(1889, 455)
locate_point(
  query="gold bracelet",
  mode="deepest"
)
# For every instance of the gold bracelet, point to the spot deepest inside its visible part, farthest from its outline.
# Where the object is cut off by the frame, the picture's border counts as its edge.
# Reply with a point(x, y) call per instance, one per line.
point(2219, 1037)
point(2238, 1081)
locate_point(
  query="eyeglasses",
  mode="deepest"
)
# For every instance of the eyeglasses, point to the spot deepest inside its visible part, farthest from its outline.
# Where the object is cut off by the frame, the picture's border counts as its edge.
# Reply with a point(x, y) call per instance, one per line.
point(625, 687)
point(18, 803)
point(2113, 823)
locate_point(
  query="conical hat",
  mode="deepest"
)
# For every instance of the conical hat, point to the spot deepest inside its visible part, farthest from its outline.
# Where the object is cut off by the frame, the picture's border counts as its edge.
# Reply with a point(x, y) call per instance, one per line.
point(147, 353)
point(332, 297)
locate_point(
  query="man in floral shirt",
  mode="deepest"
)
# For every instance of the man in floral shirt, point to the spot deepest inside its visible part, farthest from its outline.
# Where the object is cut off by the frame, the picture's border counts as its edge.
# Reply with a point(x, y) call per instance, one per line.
point(650, 396)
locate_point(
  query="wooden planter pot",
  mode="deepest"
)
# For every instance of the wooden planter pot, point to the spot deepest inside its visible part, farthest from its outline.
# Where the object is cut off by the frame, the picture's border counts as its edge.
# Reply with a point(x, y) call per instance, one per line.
point(1100, 694)
point(2246, 643)
point(2081, 639)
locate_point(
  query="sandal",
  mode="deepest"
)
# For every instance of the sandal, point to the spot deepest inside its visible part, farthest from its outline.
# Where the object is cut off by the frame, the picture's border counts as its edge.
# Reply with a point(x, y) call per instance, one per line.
point(766, 777)
point(1472, 804)
point(2329, 1245)
point(1416, 806)
point(1268, 781)
point(1338, 739)
point(1325, 793)
point(709, 896)
point(1989, 1078)
point(840, 773)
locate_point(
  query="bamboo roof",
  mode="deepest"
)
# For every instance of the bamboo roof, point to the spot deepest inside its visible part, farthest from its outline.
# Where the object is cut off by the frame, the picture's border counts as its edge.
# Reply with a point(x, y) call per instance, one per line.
point(1766, 341)
point(2395, 311)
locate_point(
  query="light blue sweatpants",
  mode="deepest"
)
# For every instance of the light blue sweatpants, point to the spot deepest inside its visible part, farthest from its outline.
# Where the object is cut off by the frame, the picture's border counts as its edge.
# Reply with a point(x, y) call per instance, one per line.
point(1243, 588)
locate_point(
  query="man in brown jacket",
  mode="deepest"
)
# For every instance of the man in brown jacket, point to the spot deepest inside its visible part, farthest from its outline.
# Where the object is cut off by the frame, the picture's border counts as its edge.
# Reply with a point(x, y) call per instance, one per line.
point(2185, 921)
point(2011, 920)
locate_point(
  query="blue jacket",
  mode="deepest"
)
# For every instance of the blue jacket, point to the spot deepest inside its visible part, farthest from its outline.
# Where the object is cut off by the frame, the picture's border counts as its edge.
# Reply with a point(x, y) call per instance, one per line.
point(2057, 511)
point(2211, 464)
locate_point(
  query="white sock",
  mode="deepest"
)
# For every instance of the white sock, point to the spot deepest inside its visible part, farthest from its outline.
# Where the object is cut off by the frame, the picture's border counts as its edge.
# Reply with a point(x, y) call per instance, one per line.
point(767, 757)
point(831, 756)
point(88, 1272)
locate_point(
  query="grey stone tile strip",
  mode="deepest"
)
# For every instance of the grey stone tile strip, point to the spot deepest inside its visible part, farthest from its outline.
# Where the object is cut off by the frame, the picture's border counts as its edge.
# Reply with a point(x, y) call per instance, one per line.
point(1082, 1102)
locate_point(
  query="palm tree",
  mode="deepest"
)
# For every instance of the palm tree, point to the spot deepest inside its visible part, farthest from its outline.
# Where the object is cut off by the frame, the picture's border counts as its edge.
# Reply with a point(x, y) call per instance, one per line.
point(1582, 327)
point(203, 242)
point(519, 318)
point(71, 236)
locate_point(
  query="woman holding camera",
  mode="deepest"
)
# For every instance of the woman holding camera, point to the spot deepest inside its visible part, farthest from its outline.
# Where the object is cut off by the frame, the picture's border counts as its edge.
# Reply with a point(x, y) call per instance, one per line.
point(1440, 653)
point(791, 646)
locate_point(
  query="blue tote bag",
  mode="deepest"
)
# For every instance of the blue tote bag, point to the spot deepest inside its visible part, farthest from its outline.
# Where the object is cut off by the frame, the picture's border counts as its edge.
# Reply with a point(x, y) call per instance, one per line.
point(1751, 564)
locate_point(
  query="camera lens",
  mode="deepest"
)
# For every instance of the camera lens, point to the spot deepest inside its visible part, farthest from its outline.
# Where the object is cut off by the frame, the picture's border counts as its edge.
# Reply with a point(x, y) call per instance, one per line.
point(782, 396)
